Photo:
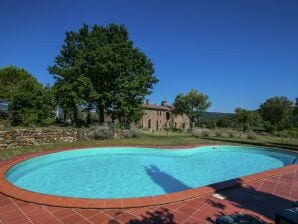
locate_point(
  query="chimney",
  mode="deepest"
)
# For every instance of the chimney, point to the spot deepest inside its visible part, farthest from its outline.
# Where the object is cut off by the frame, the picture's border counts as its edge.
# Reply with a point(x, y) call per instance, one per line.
point(164, 103)
point(147, 102)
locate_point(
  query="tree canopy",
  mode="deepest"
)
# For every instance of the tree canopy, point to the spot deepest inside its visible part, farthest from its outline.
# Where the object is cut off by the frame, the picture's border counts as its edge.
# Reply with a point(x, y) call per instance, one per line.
point(29, 102)
point(248, 119)
point(100, 68)
point(277, 111)
point(192, 104)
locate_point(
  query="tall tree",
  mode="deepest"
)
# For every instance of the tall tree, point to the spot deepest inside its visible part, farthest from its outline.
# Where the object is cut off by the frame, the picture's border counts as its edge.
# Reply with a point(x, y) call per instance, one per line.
point(103, 69)
point(277, 111)
point(242, 117)
point(295, 113)
point(192, 104)
point(29, 102)
point(296, 107)
point(72, 87)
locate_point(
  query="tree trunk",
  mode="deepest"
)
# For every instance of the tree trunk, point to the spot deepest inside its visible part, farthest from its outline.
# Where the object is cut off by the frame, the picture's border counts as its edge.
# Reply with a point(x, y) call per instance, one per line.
point(101, 115)
point(113, 117)
point(64, 116)
point(75, 115)
point(192, 123)
point(88, 118)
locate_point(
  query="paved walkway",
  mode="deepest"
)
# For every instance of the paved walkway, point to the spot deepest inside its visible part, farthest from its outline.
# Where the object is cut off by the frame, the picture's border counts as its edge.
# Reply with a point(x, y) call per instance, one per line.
point(260, 199)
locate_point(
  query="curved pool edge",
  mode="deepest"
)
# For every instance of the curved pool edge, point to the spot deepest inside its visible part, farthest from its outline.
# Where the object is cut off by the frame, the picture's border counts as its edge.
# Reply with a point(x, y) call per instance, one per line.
point(11, 190)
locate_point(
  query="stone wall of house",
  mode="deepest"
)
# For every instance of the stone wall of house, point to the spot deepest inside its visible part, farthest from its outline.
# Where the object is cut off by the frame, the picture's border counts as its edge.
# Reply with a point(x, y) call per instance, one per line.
point(160, 119)
point(39, 136)
point(155, 119)
point(181, 121)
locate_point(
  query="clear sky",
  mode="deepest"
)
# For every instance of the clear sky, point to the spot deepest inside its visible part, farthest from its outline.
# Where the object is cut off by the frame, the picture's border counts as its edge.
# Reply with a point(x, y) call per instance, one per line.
point(239, 52)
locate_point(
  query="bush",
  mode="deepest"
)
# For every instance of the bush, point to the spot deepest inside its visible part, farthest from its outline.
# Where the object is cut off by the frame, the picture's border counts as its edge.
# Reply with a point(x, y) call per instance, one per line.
point(231, 134)
point(195, 133)
point(102, 132)
point(131, 133)
point(251, 135)
point(218, 133)
point(205, 133)
point(292, 134)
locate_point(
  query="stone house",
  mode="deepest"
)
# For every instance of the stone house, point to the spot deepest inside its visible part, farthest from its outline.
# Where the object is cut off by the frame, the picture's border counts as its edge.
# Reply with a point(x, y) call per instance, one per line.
point(159, 117)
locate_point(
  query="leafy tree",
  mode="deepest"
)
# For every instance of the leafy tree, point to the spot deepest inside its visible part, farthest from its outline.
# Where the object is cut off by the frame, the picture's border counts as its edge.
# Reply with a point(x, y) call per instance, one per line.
point(29, 102)
point(103, 70)
point(248, 119)
point(72, 87)
point(295, 111)
point(256, 121)
point(192, 104)
point(295, 114)
point(243, 118)
point(277, 111)
point(10, 79)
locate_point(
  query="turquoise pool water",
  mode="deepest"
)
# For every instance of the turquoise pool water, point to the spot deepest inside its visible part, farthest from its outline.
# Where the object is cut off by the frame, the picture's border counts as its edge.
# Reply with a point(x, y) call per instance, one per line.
point(136, 172)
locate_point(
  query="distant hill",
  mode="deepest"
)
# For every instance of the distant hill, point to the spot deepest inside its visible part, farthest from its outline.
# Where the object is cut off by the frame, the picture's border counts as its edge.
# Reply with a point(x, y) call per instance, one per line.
point(214, 115)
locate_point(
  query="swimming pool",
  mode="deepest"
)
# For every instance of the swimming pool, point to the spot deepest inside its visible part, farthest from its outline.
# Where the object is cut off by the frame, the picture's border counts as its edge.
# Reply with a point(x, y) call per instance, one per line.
point(137, 172)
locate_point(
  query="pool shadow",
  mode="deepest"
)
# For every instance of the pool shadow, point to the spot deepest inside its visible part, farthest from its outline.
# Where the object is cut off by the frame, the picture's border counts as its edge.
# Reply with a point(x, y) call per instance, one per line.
point(159, 216)
point(169, 183)
point(256, 200)
point(249, 199)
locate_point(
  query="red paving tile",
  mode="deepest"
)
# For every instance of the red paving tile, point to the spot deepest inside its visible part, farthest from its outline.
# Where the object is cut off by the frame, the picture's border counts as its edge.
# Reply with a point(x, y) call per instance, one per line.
point(73, 219)
point(261, 199)
point(101, 217)
point(87, 213)
point(63, 213)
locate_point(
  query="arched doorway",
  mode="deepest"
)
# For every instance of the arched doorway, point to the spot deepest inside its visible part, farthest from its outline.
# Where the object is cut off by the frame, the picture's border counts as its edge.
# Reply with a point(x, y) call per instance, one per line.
point(149, 123)
point(168, 116)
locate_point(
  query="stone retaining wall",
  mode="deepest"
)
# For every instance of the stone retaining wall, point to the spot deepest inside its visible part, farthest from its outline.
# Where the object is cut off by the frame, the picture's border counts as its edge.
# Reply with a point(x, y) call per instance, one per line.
point(39, 136)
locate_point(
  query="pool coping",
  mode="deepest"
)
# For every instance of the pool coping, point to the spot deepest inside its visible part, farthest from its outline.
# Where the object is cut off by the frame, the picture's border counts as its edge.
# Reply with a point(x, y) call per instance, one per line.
point(11, 190)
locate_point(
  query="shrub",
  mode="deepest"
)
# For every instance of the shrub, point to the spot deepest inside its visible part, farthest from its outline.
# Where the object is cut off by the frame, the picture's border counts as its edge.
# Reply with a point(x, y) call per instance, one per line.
point(251, 135)
point(102, 132)
point(205, 133)
point(131, 133)
point(218, 133)
point(231, 134)
point(292, 134)
point(196, 133)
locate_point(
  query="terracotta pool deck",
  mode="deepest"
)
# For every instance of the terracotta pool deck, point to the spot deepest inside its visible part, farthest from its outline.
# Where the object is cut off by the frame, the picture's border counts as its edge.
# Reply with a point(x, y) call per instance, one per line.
point(259, 195)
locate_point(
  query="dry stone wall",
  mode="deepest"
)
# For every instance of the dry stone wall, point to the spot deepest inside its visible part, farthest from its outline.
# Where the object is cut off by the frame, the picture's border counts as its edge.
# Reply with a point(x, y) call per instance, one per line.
point(36, 136)
point(14, 138)
point(40, 136)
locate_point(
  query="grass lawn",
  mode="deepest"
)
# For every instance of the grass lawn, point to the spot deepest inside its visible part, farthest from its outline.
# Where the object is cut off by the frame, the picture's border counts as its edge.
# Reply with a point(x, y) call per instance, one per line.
point(159, 139)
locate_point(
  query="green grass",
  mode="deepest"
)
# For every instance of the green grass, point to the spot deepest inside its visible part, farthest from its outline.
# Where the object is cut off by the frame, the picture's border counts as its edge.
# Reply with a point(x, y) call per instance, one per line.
point(157, 139)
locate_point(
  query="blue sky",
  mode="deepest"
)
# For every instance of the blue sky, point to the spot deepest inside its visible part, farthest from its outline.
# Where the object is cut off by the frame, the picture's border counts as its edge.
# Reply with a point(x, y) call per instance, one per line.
point(239, 52)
